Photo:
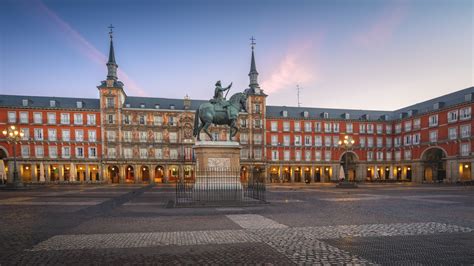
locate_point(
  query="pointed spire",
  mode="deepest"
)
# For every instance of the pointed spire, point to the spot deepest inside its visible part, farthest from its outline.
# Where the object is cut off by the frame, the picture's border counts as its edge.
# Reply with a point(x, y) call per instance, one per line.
point(111, 64)
point(253, 69)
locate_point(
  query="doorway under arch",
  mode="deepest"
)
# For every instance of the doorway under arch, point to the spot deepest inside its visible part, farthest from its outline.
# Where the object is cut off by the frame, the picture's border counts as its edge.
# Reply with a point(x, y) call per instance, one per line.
point(129, 174)
point(113, 172)
point(159, 174)
point(434, 164)
point(351, 158)
point(145, 174)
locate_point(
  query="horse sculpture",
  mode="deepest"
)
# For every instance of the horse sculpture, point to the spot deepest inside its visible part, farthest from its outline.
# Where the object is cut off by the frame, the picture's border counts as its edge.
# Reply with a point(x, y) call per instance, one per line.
point(209, 113)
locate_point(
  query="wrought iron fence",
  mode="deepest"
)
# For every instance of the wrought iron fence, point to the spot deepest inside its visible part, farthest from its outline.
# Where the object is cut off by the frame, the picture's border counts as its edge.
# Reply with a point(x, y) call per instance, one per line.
point(217, 187)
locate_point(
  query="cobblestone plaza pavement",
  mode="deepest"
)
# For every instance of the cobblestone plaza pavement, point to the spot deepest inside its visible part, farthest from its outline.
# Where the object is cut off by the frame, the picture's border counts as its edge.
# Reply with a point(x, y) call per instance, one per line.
point(313, 224)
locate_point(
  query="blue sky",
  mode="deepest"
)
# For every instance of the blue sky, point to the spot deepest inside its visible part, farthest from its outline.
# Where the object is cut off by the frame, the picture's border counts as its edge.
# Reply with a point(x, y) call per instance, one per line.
point(364, 54)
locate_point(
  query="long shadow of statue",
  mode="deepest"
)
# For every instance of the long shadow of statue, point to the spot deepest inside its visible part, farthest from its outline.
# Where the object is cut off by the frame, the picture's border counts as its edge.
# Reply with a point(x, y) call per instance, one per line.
point(218, 111)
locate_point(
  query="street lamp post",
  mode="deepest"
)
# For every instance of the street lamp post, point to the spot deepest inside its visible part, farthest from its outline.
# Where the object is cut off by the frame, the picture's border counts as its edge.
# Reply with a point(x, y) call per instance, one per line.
point(347, 143)
point(13, 135)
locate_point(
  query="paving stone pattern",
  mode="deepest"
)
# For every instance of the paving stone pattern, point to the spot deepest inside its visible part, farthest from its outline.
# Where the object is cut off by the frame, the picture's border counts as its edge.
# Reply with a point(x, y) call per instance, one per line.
point(253, 221)
point(137, 240)
point(116, 225)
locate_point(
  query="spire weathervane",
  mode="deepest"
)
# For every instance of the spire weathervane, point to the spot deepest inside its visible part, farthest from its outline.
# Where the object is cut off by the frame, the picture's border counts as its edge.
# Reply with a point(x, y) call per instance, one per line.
point(252, 42)
point(111, 30)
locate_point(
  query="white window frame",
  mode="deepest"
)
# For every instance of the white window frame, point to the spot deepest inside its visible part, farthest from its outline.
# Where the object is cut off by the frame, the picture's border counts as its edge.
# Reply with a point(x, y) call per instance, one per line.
point(11, 117)
point(78, 119)
point(465, 113)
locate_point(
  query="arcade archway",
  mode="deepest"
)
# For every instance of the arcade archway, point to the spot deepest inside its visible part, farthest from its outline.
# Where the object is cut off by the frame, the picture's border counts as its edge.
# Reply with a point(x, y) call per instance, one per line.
point(145, 174)
point(113, 172)
point(351, 158)
point(129, 174)
point(159, 174)
point(434, 164)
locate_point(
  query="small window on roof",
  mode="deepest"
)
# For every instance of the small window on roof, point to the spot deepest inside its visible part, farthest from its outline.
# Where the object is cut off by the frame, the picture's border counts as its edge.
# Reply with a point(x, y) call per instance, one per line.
point(52, 103)
point(172, 106)
point(438, 105)
point(468, 97)
point(284, 113)
point(347, 116)
point(79, 104)
point(305, 114)
point(325, 115)
point(157, 106)
point(25, 102)
point(142, 105)
point(127, 105)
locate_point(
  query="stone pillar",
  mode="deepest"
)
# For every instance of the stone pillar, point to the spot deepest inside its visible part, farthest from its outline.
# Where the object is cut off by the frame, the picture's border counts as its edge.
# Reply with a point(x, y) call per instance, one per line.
point(138, 173)
point(452, 171)
point(34, 177)
point(103, 173)
point(361, 172)
point(472, 170)
point(152, 174)
point(47, 172)
point(10, 172)
point(415, 172)
point(280, 175)
point(87, 178)
point(122, 172)
point(292, 175)
point(404, 172)
point(181, 173)
point(165, 173)
point(61, 172)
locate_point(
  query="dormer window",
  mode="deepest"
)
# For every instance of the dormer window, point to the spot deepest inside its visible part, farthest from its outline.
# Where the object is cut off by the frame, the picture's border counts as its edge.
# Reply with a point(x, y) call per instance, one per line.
point(172, 106)
point(79, 104)
point(157, 106)
point(412, 112)
point(468, 97)
point(325, 115)
point(347, 116)
point(127, 105)
point(438, 105)
point(52, 103)
point(284, 113)
point(305, 114)
point(24, 102)
point(142, 105)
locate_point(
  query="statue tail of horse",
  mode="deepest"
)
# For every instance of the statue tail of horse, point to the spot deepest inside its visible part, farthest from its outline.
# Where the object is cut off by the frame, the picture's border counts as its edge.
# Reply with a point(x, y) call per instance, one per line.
point(196, 123)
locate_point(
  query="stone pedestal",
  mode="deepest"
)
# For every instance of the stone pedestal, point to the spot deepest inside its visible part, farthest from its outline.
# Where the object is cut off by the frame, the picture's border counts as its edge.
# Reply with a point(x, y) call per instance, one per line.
point(217, 171)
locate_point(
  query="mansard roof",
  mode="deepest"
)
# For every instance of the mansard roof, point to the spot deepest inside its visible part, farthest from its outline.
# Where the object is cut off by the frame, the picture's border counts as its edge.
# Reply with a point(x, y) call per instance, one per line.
point(451, 99)
point(318, 113)
point(444, 101)
point(164, 103)
point(44, 102)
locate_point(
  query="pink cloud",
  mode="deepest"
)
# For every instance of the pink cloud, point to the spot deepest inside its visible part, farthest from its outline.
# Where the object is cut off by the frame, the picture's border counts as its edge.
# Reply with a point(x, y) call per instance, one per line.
point(295, 68)
point(86, 48)
point(383, 27)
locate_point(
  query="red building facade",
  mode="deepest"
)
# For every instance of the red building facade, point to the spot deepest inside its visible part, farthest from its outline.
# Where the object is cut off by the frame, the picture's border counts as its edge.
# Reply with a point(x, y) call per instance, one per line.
point(124, 139)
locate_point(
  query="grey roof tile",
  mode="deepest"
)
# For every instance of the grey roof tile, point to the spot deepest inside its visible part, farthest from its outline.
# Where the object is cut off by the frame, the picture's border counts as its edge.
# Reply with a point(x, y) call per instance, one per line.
point(44, 102)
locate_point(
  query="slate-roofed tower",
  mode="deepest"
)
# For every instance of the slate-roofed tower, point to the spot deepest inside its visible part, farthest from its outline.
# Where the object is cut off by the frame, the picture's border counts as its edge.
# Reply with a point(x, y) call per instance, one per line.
point(253, 74)
point(112, 99)
point(111, 64)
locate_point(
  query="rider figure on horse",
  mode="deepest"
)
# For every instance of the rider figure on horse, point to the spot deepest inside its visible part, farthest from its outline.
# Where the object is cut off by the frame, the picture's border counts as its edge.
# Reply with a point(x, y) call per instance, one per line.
point(219, 99)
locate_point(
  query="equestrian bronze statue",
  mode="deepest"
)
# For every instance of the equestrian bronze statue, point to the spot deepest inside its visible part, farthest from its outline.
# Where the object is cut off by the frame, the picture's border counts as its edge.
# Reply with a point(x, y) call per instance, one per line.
point(219, 111)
